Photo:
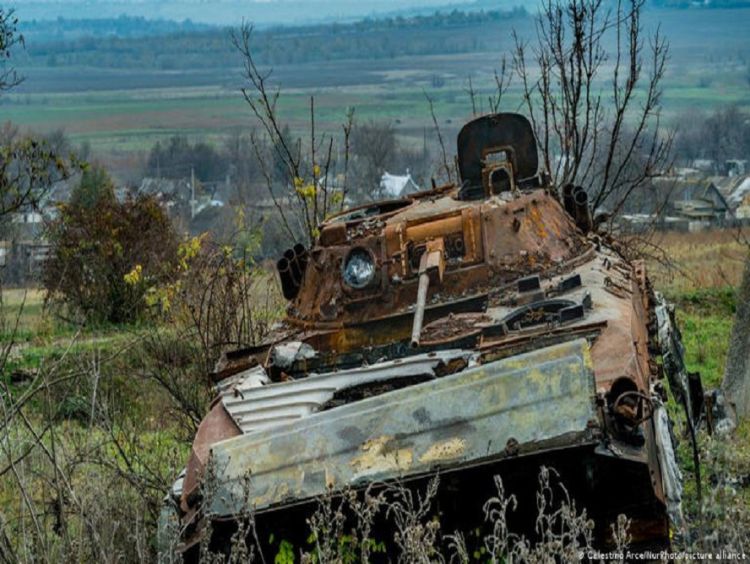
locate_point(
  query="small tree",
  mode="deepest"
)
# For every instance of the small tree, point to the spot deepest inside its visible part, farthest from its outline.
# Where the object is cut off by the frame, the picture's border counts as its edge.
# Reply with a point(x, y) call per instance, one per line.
point(306, 181)
point(9, 38)
point(595, 108)
point(95, 189)
point(107, 255)
point(28, 167)
point(374, 146)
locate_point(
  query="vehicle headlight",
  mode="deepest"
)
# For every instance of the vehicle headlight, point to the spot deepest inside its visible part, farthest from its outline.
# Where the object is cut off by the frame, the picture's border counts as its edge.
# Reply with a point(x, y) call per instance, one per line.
point(359, 269)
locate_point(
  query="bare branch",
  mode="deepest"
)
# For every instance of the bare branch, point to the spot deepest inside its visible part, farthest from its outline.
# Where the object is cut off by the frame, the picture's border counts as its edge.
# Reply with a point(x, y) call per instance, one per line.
point(611, 143)
point(446, 166)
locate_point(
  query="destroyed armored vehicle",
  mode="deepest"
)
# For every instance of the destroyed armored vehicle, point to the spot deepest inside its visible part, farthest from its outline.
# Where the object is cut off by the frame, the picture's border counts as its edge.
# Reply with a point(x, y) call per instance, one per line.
point(477, 329)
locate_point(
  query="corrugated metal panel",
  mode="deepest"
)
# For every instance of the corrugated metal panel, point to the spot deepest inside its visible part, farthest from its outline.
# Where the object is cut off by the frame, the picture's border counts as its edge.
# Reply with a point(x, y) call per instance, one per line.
point(451, 421)
point(246, 380)
point(255, 406)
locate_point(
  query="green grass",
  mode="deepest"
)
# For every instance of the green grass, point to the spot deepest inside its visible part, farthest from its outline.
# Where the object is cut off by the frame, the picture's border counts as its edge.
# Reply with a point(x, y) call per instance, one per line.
point(705, 318)
point(706, 340)
point(37, 337)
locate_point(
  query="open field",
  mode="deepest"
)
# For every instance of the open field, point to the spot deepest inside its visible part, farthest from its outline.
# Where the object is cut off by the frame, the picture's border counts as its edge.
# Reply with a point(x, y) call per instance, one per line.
point(133, 120)
point(700, 261)
point(126, 110)
point(24, 306)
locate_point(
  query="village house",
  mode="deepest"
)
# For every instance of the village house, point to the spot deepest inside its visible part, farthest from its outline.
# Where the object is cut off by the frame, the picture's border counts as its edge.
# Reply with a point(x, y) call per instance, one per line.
point(395, 186)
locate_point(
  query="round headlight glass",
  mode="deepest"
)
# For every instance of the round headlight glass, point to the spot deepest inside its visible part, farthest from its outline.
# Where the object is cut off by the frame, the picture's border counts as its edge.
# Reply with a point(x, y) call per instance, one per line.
point(359, 269)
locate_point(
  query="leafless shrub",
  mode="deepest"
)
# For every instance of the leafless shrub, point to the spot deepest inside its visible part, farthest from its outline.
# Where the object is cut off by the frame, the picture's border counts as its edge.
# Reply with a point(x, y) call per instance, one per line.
point(562, 533)
point(621, 533)
point(561, 529)
point(87, 484)
point(221, 300)
point(73, 507)
point(446, 171)
point(333, 541)
point(365, 511)
point(500, 541)
point(327, 529)
point(176, 364)
point(243, 546)
point(598, 110)
point(724, 516)
point(9, 38)
point(305, 190)
point(416, 531)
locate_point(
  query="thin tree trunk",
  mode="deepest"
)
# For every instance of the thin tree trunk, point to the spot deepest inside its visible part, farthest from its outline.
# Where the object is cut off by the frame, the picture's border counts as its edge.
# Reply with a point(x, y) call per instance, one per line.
point(736, 384)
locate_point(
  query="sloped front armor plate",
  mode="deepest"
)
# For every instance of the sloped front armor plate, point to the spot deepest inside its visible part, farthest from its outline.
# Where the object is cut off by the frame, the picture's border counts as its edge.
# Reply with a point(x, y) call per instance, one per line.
point(536, 400)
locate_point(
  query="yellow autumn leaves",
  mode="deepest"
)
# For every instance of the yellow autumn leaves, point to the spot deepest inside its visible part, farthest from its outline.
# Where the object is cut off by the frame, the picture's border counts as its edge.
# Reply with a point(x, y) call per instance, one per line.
point(134, 277)
point(308, 190)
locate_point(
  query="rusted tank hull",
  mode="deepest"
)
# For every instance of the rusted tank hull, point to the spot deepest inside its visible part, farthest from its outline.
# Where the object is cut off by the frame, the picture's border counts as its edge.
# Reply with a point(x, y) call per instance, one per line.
point(473, 330)
point(527, 403)
point(508, 418)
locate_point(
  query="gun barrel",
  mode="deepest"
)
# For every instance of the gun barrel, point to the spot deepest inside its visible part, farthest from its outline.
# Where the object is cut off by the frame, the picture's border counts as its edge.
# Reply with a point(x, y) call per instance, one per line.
point(416, 330)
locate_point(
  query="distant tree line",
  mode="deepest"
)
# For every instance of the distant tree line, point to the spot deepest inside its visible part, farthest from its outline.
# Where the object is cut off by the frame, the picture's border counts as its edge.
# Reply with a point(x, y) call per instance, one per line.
point(454, 32)
point(61, 29)
point(718, 136)
point(179, 158)
point(375, 149)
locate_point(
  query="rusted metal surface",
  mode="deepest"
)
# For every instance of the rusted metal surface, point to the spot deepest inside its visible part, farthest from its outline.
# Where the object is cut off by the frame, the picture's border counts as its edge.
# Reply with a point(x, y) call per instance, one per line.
point(489, 134)
point(217, 426)
point(486, 243)
point(529, 399)
point(452, 329)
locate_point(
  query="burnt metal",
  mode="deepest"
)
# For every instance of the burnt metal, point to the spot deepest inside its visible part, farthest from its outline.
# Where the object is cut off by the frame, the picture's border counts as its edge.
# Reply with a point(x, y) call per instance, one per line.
point(570, 283)
point(571, 313)
point(529, 284)
point(484, 331)
point(288, 287)
point(301, 257)
point(508, 132)
point(538, 313)
point(582, 210)
point(413, 430)
point(586, 301)
point(291, 268)
point(455, 247)
point(424, 284)
point(568, 200)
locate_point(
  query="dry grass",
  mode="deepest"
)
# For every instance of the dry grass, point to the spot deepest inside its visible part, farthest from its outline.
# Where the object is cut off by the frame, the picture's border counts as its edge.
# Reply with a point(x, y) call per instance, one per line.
point(28, 303)
point(699, 273)
point(340, 529)
point(707, 259)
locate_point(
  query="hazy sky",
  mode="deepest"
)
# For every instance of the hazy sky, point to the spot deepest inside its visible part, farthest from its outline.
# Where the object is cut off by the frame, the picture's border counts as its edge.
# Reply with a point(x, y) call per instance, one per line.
point(233, 11)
